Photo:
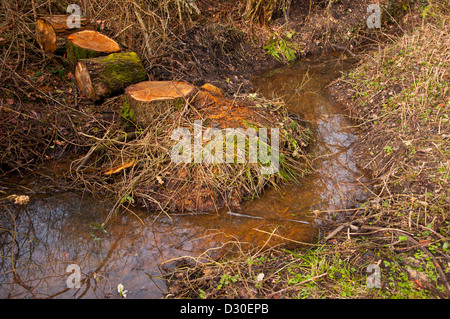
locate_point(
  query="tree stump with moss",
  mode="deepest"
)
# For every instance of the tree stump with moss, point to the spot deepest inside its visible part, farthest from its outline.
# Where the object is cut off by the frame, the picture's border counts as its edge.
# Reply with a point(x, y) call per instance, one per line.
point(102, 77)
point(52, 32)
point(89, 44)
point(147, 100)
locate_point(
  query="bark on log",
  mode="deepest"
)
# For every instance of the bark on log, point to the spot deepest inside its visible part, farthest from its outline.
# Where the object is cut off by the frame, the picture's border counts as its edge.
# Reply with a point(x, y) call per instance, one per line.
point(52, 31)
point(102, 77)
point(149, 99)
point(89, 44)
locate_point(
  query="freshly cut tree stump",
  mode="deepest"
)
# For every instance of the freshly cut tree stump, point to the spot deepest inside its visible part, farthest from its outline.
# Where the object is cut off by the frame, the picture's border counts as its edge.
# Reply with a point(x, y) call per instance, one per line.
point(89, 44)
point(102, 77)
point(149, 99)
point(52, 31)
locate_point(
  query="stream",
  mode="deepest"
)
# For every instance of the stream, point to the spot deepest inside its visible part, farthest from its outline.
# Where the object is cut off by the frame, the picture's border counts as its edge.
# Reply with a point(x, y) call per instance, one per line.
point(58, 229)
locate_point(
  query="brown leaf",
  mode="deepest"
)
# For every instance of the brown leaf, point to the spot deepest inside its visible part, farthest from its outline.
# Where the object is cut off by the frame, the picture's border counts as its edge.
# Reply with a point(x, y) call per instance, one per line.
point(119, 168)
point(418, 283)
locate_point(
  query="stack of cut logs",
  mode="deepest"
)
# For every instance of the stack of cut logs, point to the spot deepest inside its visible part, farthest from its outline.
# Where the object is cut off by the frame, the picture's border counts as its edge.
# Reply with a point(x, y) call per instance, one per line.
point(102, 70)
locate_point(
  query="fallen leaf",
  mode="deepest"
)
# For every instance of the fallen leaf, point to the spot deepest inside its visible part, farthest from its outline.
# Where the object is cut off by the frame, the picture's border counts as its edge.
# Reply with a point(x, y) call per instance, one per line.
point(34, 113)
point(60, 143)
point(260, 277)
point(407, 143)
point(119, 168)
point(418, 283)
point(207, 272)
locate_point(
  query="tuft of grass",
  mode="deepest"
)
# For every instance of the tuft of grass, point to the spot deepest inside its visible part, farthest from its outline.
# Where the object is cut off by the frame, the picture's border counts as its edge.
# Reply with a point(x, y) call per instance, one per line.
point(147, 175)
point(282, 48)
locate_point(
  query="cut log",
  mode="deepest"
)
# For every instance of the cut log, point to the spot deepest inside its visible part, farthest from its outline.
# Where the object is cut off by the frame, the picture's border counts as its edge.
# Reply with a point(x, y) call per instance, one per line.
point(89, 44)
point(52, 31)
point(102, 77)
point(149, 99)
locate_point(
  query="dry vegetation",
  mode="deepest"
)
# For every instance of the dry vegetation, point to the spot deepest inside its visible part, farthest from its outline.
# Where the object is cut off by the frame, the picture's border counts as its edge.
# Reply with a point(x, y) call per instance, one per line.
point(161, 184)
point(169, 36)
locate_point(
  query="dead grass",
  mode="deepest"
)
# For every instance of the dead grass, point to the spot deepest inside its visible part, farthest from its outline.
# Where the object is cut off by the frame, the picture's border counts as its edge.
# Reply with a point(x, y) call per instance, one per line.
point(403, 103)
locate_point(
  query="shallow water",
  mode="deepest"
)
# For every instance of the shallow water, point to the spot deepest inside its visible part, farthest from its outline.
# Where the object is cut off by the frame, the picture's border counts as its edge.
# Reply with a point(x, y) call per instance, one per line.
point(336, 182)
point(57, 229)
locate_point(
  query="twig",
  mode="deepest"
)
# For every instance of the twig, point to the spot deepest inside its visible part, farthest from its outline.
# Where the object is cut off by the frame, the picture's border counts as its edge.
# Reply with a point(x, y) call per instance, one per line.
point(296, 285)
point(284, 238)
point(344, 48)
point(334, 233)
point(99, 147)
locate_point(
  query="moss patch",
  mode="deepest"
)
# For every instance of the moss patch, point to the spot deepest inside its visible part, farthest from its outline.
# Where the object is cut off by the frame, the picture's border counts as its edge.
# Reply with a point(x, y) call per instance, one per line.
point(122, 68)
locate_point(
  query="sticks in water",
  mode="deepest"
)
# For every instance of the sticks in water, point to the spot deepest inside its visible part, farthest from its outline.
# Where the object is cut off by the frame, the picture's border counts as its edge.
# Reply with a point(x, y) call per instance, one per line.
point(259, 217)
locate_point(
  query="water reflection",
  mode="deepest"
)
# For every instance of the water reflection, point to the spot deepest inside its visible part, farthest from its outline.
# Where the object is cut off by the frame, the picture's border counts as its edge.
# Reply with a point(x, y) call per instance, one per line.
point(53, 232)
point(337, 182)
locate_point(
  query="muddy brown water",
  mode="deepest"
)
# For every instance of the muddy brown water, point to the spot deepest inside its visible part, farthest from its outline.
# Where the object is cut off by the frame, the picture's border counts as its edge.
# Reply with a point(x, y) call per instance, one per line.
point(58, 229)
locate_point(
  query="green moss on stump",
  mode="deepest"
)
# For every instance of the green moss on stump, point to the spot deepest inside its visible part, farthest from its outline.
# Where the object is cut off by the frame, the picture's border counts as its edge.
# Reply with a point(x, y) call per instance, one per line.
point(127, 112)
point(75, 53)
point(109, 75)
point(122, 68)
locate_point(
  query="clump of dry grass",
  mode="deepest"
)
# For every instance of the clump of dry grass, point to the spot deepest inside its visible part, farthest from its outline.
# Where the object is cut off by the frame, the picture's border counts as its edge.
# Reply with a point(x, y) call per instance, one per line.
point(400, 97)
point(155, 180)
point(35, 84)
